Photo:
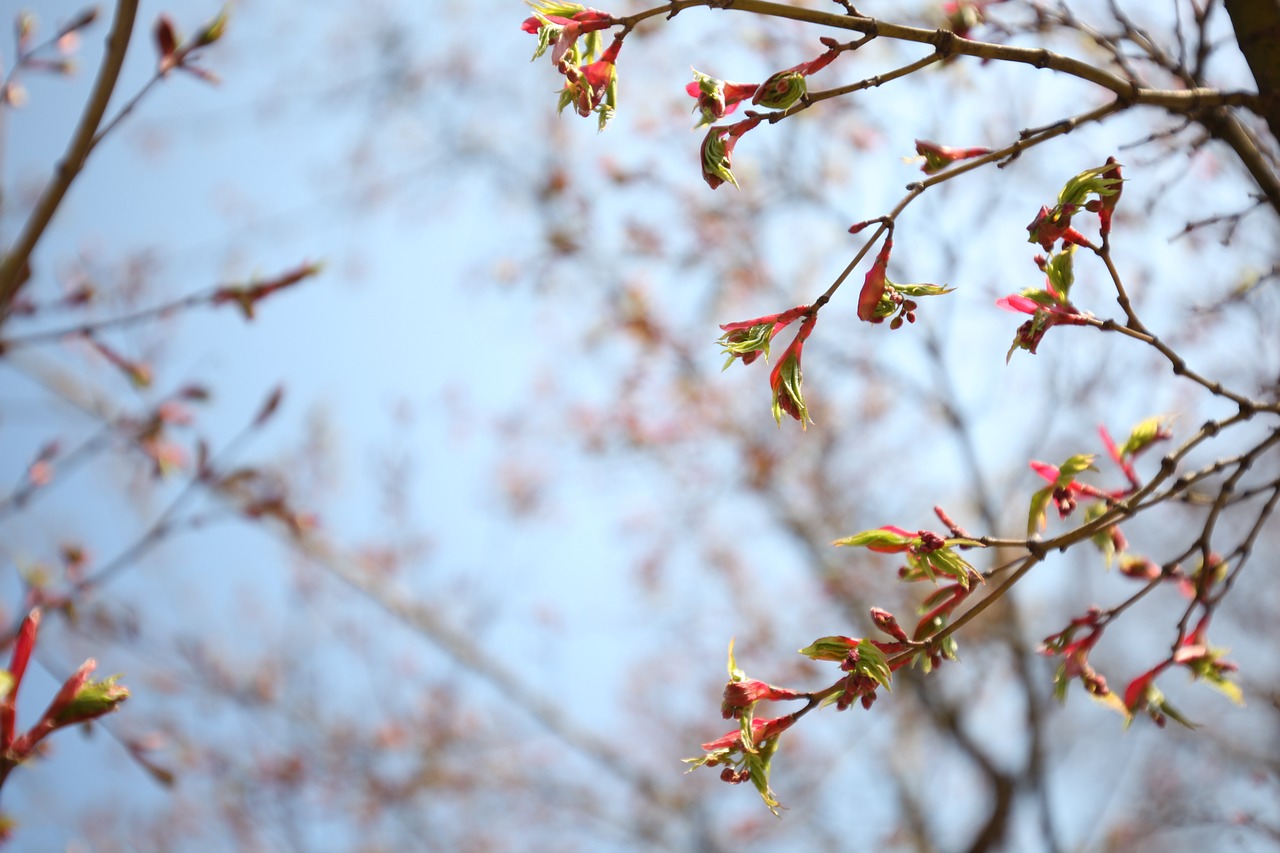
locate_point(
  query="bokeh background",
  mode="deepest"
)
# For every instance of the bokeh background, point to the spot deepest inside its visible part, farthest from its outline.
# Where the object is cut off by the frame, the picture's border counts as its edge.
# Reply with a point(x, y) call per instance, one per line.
point(533, 510)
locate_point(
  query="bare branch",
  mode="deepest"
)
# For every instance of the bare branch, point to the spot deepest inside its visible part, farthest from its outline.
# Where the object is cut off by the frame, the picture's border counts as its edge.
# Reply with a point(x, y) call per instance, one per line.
point(16, 259)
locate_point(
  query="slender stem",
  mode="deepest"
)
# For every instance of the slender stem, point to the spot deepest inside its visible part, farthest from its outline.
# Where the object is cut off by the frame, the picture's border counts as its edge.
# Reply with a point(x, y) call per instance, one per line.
point(877, 80)
point(126, 109)
point(1209, 107)
point(1028, 139)
point(949, 44)
point(15, 261)
point(1180, 365)
point(1028, 562)
point(1128, 508)
point(28, 488)
point(1122, 294)
point(132, 318)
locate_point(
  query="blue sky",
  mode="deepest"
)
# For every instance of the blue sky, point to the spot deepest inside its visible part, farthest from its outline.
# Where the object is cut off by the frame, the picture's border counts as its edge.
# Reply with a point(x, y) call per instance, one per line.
point(442, 345)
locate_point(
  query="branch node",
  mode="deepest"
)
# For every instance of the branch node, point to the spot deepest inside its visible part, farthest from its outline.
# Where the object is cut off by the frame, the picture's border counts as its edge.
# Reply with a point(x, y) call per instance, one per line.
point(944, 41)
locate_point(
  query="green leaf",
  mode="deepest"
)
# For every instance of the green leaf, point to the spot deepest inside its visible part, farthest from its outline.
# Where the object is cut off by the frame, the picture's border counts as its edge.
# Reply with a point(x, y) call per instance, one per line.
point(781, 90)
point(950, 563)
point(1102, 539)
point(830, 648)
point(592, 51)
point(213, 30)
point(546, 35)
point(745, 729)
point(715, 156)
point(760, 764)
point(701, 760)
point(562, 10)
point(873, 664)
point(790, 384)
point(93, 699)
point(735, 674)
point(1175, 715)
point(1143, 435)
point(1112, 701)
point(1041, 297)
point(1061, 683)
point(1077, 190)
point(1077, 464)
point(878, 538)
point(1228, 688)
point(1036, 516)
point(923, 565)
point(1060, 272)
point(917, 290)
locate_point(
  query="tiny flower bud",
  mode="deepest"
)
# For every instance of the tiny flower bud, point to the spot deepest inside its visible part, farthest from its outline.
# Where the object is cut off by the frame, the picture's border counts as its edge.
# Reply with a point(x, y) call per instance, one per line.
point(1139, 568)
point(80, 21)
point(13, 94)
point(929, 542)
point(213, 30)
point(781, 90)
point(24, 28)
point(885, 621)
point(81, 699)
point(938, 157)
point(741, 695)
point(166, 38)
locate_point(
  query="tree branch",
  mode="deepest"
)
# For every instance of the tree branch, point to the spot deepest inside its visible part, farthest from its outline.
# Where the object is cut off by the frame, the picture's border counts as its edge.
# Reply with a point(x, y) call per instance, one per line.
point(1209, 107)
point(950, 44)
point(82, 141)
point(1257, 27)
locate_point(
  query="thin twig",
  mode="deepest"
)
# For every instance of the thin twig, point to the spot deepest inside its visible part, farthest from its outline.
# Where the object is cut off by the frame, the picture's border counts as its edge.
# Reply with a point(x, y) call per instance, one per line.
point(82, 141)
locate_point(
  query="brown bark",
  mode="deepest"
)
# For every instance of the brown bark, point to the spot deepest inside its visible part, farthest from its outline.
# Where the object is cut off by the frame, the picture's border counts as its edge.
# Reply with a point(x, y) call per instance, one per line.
point(1257, 28)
